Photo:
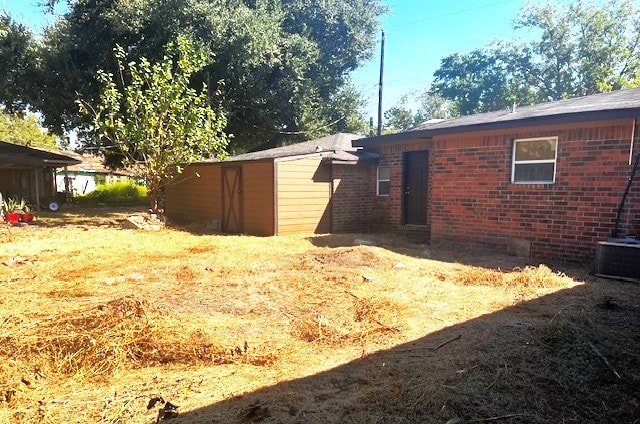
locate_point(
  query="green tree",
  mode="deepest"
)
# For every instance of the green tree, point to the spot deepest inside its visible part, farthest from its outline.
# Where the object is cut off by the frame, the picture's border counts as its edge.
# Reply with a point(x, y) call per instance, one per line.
point(154, 119)
point(18, 60)
point(434, 106)
point(25, 131)
point(583, 48)
point(401, 117)
point(480, 81)
point(285, 63)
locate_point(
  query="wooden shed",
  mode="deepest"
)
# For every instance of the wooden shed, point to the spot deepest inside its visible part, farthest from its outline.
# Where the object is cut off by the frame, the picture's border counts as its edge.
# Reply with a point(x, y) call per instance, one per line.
point(271, 192)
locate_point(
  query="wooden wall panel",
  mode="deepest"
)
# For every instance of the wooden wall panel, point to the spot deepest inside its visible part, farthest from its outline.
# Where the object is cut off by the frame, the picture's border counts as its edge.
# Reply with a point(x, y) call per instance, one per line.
point(21, 183)
point(195, 198)
point(10, 181)
point(257, 198)
point(304, 196)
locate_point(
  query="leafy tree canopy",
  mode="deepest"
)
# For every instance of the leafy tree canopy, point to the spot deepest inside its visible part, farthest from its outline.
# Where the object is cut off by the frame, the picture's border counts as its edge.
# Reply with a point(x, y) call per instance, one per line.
point(25, 131)
point(582, 48)
point(402, 117)
point(18, 59)
point(151, 116)
point(284, 63)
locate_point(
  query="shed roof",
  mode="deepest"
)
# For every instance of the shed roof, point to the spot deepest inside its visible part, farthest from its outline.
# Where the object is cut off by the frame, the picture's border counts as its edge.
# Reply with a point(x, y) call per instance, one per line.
point(92, 163)
point(616, 104)
point(15, 155)
point(331, 143)
point(352, 157)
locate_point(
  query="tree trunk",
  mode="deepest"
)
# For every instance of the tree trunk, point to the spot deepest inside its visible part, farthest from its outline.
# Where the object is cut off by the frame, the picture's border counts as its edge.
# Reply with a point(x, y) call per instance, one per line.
point(153, 200)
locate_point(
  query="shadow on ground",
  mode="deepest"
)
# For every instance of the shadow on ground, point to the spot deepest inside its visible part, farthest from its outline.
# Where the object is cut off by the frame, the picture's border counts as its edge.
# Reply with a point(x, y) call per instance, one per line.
point(84, 216)
point(449, 252)
point(568, 357)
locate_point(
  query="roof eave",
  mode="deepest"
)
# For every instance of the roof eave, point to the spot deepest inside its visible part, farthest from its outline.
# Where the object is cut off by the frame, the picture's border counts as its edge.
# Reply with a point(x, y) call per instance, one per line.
point(391, 138)
point(60, 162)
point(533, 121)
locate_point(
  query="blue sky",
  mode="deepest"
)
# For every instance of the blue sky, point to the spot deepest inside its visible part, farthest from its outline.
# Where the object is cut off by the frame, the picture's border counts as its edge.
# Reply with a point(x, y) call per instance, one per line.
point(418, 34)
point(29, 13)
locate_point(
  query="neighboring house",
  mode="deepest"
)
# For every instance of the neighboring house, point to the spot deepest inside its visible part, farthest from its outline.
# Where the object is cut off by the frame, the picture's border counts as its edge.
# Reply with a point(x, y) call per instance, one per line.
point(29, 173)
point(546, 179)
point(84, 177)
point(276, 191)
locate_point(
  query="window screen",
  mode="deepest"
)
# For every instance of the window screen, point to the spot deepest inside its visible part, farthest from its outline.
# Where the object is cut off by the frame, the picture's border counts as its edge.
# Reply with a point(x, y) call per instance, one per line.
point(384, 181)
point(534, 160)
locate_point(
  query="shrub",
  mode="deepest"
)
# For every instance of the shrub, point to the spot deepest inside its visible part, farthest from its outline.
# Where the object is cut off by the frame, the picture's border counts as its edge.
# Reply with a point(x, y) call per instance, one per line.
point(118, 192)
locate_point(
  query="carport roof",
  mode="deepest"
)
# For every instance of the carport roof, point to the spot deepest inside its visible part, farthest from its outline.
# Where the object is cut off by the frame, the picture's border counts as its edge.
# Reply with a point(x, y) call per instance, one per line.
point(17, 156)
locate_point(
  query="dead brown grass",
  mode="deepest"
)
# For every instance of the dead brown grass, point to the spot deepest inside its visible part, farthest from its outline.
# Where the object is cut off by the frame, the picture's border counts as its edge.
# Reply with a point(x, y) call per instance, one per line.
point(121, 333)
point(351, 320)
point(532, 277)
point(96, 320)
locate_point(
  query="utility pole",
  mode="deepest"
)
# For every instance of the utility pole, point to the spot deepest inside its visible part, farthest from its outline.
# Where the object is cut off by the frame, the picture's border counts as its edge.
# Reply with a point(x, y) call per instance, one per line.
point(380, 85)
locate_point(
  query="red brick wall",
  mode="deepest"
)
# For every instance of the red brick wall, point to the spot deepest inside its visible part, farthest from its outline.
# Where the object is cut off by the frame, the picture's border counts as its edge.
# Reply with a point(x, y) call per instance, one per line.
point(351, 200)
point(389, 208)
point(472, 199)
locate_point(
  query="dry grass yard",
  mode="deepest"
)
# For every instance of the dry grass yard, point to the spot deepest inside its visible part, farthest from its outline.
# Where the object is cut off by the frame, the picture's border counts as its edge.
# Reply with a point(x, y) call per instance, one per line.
point(97, 321)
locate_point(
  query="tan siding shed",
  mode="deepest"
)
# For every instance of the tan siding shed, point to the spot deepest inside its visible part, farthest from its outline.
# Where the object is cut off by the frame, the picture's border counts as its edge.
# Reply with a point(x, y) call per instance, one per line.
point(303, 196)
point(258, 198)
point(195, 198)
point(282, 190)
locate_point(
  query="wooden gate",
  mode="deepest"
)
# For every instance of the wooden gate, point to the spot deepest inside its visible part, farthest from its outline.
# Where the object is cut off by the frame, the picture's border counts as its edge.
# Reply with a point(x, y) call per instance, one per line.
point(232, 199)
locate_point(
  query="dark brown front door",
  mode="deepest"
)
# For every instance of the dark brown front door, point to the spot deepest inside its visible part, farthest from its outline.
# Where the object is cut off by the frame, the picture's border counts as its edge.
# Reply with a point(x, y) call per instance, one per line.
point(231, 199)
point(415, 187)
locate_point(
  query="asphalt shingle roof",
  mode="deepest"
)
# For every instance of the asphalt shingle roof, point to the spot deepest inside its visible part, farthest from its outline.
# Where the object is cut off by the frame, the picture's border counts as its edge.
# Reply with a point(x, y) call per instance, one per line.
point(606, 105)
point(12, 155)
point(331, 143)
point(92, 163)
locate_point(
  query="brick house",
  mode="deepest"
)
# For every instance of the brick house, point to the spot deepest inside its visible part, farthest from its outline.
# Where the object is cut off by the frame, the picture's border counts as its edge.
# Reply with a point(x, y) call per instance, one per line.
point(547, 179)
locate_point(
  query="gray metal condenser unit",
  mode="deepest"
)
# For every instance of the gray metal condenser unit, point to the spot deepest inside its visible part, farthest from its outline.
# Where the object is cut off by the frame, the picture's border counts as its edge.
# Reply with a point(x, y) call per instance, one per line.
point(618, 258)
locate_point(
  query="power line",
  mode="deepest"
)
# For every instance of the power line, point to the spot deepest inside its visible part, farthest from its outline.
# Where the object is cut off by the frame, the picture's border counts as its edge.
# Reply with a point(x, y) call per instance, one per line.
point(449, 14)
point(330, 124)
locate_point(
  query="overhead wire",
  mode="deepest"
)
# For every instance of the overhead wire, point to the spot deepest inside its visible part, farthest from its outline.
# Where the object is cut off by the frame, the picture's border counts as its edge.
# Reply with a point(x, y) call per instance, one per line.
point(274, 131)
point(370, 88)
point(393, 29)
point(446, 15)
point(289, 132)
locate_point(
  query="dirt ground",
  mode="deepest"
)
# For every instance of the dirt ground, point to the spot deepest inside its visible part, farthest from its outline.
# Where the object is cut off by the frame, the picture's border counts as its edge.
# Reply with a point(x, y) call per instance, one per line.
point(110, 325)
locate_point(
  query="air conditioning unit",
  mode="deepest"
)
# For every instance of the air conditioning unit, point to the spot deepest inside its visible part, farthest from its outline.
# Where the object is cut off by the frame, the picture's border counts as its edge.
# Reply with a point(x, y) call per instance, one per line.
point(618, 258)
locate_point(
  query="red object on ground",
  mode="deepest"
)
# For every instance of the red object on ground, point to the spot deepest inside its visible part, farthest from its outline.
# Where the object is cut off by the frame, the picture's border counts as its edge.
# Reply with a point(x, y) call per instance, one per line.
point(13, 217)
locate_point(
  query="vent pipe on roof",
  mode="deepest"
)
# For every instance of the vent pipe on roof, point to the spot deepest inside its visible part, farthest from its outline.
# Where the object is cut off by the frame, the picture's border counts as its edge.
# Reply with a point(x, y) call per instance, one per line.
point(513, 108)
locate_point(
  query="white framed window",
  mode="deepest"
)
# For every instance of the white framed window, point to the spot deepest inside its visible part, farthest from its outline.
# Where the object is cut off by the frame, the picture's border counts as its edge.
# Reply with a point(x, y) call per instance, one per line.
point(383, 186)
point(534, 160)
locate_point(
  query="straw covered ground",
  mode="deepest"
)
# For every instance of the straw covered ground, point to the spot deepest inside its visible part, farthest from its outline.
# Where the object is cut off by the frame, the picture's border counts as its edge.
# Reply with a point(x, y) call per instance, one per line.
point(110, 325)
